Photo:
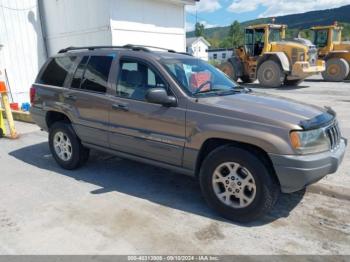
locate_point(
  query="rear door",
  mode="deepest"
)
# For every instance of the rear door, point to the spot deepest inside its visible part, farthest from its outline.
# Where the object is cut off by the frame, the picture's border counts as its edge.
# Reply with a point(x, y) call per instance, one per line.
point(141, 128)
point(87, 98)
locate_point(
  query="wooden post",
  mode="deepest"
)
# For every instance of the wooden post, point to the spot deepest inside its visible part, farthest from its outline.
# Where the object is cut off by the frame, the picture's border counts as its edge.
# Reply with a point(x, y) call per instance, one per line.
point(2, 125)
point(6, 105)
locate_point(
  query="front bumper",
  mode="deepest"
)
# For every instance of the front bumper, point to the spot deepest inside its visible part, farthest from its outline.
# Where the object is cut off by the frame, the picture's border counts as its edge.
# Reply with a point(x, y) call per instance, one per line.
point(296, 172)
point(302, 70)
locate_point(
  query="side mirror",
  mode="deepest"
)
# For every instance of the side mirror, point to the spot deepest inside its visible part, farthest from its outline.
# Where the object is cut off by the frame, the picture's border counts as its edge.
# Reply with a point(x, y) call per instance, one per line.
point(160, 96)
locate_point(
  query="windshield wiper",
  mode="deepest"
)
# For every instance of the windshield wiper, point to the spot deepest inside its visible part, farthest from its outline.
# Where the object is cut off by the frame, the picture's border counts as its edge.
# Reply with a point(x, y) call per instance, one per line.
point(234, 90)
point(208, 91)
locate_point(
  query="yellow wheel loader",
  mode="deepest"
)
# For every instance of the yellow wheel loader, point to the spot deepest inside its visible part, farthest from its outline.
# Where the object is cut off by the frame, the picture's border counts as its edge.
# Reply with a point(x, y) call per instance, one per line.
point(335, 53)
point(271, 59)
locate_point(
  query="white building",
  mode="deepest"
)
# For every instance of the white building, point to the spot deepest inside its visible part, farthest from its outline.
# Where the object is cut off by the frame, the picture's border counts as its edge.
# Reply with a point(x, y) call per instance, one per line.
point(31, 30)
point(220, 54)
point(198, 47)
point(23, 50)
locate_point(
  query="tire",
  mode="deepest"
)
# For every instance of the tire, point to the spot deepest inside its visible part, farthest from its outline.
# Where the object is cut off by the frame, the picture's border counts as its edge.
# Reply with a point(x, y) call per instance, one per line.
point(266, 193)
point(348, 77)
point(337, 69)
point(229, 70)
point(293, 82)
point(76, 154)
point(270, 74)
point(246, 79)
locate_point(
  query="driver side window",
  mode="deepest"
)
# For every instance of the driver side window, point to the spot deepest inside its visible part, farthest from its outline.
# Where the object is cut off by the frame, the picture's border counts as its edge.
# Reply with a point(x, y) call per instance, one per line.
point(135, 79)
point(259, 41)
point(249, 41)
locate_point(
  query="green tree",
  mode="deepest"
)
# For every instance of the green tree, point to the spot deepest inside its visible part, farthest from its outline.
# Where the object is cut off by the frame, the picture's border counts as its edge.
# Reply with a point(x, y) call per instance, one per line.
point(226, 43)
point(214, 42)
point(199, 29)
point(236, 34)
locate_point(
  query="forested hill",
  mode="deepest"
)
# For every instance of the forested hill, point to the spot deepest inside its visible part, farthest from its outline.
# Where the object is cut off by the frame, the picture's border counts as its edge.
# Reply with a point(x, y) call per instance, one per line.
point(295, 21)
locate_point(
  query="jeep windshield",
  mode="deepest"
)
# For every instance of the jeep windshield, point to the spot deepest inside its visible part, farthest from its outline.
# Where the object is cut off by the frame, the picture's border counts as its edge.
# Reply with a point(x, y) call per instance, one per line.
point(197, 77)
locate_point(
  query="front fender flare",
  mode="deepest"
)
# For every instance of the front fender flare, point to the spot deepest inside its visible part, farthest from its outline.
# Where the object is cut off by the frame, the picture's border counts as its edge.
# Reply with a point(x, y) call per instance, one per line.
point(280, 56)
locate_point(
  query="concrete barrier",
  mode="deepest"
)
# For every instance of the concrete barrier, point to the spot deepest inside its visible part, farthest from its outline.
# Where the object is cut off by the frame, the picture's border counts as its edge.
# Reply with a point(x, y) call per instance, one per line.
point(20, 116)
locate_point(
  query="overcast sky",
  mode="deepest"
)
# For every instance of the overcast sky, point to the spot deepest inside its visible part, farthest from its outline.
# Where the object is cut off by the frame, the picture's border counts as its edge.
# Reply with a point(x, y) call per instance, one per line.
point(223, 12)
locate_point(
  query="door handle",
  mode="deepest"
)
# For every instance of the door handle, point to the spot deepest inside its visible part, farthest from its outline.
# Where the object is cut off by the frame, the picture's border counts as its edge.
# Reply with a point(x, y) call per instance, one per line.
point(70, 97)
point(121, 107)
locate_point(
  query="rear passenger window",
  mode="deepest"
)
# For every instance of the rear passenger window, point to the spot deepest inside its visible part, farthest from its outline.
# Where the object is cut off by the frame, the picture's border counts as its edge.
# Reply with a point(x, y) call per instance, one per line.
point(96, 73)
point(92, 73)
point(57, 70)
point(79, 73)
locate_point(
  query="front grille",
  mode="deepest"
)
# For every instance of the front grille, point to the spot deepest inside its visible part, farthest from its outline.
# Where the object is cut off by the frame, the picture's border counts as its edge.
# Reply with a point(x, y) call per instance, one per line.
point(294, 55)
point(313, 56)
point(334, 135)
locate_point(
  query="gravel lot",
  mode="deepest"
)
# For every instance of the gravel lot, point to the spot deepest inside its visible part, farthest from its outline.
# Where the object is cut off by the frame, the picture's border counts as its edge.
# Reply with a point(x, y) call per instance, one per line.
point(115, 206)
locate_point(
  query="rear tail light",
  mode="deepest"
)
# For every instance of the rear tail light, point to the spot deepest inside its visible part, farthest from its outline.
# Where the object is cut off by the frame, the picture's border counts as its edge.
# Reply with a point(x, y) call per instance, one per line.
point(32, 94)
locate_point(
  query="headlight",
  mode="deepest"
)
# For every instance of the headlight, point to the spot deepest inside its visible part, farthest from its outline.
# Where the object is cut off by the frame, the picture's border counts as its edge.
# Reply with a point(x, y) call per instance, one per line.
point(307, 142)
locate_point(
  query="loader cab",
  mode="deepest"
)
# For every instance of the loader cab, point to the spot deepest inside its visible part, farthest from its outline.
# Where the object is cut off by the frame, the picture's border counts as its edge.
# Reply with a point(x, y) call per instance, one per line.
point(325, 36)
point(258, 38)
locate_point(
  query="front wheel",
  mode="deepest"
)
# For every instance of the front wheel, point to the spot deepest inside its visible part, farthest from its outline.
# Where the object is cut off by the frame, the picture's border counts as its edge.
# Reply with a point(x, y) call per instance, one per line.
point(337, 69)
point(66, 147)
point(229, 70)
point(270, 74)
point(237, 184)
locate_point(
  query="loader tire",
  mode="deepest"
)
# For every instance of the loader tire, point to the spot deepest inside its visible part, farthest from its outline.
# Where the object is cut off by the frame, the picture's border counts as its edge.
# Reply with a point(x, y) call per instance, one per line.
point(348, 77)
point(337, 69)
point(270, 74)
point(229, 70)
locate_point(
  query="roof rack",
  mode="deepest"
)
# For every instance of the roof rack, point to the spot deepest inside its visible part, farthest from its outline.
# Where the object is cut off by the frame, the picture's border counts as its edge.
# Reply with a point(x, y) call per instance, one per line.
point(129, 46)
point(147, 48)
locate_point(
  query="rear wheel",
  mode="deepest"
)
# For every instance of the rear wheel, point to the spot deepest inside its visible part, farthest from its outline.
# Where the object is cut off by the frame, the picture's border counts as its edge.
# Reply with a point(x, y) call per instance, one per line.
point(348, 78)
point(295, 82)
point(237, 184)
point(66, 147)
point(270, 74)
point(229, 70)
point(337, 69)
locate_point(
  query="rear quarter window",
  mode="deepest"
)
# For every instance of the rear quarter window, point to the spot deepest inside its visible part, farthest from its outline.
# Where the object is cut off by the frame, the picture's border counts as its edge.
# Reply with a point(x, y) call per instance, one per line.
point(56, 71)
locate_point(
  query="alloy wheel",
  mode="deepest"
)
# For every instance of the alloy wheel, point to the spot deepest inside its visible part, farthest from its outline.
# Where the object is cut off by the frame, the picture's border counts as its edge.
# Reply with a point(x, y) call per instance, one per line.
point(234, 185)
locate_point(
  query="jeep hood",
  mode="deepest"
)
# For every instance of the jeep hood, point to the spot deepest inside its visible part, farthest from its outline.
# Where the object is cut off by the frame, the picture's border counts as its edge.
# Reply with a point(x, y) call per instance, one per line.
point(271, 110)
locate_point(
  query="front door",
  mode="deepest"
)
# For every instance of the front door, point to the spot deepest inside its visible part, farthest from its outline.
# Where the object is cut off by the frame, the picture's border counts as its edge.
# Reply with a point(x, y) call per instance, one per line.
point(141, 128)
point(249, 42)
